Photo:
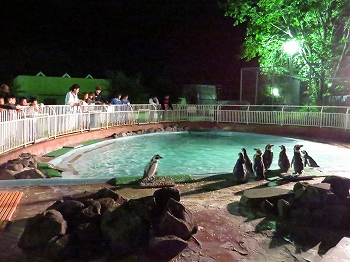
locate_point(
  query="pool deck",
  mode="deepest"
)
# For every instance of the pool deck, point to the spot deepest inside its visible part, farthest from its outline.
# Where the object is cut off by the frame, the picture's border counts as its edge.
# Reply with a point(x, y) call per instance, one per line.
point(226, 232)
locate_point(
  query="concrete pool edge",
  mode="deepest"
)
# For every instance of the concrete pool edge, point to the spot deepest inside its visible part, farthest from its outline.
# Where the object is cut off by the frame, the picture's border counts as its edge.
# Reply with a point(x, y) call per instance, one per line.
point(323, 135)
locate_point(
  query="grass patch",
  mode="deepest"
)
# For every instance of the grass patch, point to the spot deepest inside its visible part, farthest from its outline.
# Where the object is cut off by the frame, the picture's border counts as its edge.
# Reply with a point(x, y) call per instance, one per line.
point(51, 172)
point(90, 142)
point(58, 152)
point(129, 180)
point(126, 180)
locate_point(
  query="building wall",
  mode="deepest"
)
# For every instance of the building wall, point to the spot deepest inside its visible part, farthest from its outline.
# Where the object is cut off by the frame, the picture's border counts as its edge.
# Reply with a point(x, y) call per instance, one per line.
point(47, 89)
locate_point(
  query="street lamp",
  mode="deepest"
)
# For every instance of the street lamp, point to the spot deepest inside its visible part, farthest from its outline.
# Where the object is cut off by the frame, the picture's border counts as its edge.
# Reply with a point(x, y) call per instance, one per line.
point(291, 47)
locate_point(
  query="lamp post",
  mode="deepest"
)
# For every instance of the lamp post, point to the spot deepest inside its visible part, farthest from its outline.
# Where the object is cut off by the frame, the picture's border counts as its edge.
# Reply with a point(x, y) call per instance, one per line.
point(291, 47)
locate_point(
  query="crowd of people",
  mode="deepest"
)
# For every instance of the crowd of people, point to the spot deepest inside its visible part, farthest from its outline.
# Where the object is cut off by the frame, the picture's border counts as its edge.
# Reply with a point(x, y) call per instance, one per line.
point(96, 98)
point(9, 102)
point(92, 98)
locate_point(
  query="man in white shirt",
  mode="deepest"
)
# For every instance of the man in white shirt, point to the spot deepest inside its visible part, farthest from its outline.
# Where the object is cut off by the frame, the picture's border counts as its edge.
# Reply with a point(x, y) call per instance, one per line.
point(72, 99)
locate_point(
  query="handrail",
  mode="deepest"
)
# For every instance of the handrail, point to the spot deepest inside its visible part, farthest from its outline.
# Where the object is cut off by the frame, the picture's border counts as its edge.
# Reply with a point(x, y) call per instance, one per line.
point(18, 129)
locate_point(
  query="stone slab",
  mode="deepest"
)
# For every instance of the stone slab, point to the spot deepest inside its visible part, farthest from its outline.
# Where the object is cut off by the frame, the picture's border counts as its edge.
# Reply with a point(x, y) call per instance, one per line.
point(254, 197)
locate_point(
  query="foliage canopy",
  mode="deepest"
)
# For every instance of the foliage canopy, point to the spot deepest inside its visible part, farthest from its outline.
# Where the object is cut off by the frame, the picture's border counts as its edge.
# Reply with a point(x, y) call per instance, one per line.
point(320, 26)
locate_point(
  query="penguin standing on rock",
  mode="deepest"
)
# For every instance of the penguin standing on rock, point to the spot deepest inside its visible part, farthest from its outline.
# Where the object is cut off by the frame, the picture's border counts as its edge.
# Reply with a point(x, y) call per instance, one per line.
point(248, 163)
point(239, 170)
point(283, 160)
point(258, 164)
point(298, 160)
point(308, 160)
point(268, 156)
point(151, 168)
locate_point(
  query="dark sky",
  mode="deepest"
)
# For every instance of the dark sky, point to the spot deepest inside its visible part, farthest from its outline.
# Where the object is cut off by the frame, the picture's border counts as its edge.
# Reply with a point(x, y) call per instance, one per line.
point(188, 41)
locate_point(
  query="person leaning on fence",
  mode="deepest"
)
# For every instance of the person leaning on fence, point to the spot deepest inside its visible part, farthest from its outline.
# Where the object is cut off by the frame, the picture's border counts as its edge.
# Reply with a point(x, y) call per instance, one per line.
point(166, 103)
point(99, 99)
point(117, 100)
point(72, 99)
point(153, 100)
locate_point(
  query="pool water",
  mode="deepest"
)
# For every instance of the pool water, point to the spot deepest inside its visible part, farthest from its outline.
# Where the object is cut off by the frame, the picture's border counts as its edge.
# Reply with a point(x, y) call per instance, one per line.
point(194, 153)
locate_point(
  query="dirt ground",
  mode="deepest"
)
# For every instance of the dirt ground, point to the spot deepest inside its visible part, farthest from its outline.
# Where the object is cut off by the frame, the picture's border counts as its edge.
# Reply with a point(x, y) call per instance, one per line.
point(227, 231)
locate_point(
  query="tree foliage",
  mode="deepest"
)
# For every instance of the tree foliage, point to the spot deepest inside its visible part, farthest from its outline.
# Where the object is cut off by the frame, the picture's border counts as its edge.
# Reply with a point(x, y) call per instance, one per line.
point(129, 85)
point(320, 26)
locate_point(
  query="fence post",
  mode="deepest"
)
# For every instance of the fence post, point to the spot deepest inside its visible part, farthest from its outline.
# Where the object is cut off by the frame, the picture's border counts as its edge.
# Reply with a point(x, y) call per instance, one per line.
point(248, 114)
point(218, 108)
point(347, 119)
point(321, 117)
point(282, 116)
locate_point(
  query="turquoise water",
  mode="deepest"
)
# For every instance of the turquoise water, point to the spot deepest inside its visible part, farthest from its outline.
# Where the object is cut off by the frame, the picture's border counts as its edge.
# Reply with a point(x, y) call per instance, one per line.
point(195, 153)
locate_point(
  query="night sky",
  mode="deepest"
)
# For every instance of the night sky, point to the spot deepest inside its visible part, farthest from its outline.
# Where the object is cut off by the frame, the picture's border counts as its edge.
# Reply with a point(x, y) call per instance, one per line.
point(187, 41)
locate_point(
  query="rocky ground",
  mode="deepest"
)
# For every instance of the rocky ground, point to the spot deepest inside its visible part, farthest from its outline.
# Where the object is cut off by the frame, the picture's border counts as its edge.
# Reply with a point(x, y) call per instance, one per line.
point(227, 231)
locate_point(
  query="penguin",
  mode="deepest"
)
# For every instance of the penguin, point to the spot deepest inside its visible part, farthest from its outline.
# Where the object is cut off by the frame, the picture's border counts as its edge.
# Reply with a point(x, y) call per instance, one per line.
point(283, 160)
point(151, 168)
point(298, 161)
point(308, 160)
point(258, 164)
point(268, 156)
point(247, 161)
point(239, 170)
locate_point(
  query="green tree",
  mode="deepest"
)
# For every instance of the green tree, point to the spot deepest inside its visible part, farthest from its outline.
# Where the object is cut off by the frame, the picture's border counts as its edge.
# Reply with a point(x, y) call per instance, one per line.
point(132, 86)
point(320, 26)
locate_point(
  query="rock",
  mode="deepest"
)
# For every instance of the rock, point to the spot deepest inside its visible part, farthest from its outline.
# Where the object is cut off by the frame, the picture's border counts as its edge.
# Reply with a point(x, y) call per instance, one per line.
point(331, 199)
point(102, 193)
point(125, 230)
point(283, 208)
point(41, 229)
point(267, 207)
point(91, 212)
point(177, 220)
point(107, 203)
point(167, 247)
point(14, 166)
point(60, 248)
point(69, 209)
point(162, 195)
point(144, 207)
point(339, 185)
point(168, 129)
point(254, 197)
point(30, 174)
point(310, 196)
point(6, 174)
point(299, 189)
point(301, 216)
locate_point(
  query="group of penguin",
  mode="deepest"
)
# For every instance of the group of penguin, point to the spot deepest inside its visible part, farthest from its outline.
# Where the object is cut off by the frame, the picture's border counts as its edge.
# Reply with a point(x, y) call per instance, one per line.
point(246, 168)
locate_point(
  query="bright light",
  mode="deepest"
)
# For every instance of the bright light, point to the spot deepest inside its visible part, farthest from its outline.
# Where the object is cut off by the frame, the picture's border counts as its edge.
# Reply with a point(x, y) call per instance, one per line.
point(275, 92)
point(291, 47)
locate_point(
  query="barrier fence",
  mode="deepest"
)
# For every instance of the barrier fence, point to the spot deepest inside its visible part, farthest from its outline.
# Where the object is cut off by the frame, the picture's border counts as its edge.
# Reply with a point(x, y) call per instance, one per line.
point(25, 127)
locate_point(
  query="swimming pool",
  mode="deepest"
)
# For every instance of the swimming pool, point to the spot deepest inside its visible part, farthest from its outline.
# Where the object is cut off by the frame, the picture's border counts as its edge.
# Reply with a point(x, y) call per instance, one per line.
point(194, 153)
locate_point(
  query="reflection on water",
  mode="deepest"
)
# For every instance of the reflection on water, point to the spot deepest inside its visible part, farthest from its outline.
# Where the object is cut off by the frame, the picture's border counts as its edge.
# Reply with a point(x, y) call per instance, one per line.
point(195, 153)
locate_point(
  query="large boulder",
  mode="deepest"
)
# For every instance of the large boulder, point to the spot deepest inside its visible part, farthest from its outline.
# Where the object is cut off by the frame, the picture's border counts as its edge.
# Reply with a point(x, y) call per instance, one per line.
point(30, 174)
point(70, 209)
point(163, 195)
point(41, 229)
point(167, 247)
point(6, 174)
point(125, 229)
point(339, 185)
point(177, 220)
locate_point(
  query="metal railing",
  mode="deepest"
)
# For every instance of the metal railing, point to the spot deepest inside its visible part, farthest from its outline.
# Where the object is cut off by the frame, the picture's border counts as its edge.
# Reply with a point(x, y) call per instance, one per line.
point(18, 129)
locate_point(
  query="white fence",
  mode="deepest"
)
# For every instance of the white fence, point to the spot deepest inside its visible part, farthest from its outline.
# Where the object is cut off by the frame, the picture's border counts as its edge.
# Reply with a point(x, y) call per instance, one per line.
point(18, 129)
